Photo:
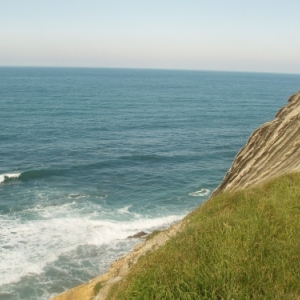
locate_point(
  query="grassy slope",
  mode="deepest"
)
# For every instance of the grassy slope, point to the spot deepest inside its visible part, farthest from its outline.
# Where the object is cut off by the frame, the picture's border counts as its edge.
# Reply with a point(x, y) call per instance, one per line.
point(238, 245)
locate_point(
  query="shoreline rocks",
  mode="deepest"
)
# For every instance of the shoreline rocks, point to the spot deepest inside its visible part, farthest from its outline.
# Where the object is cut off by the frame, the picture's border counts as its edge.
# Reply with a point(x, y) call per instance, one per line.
point(138, 235)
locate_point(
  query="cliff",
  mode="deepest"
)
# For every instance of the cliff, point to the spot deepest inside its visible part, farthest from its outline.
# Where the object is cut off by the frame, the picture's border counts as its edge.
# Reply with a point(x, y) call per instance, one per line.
point(272, 150)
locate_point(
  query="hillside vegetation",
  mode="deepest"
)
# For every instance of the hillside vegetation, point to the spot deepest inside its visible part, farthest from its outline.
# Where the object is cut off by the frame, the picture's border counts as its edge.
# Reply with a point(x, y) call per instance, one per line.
point(238, 245)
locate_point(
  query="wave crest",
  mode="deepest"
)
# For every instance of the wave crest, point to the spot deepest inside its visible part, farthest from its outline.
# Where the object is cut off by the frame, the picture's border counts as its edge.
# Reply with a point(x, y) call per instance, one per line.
point(9, 176)
point(200, 193)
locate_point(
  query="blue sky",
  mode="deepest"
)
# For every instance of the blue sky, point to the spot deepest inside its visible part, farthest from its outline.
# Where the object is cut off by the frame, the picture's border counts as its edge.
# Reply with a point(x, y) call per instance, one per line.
point(259, 36)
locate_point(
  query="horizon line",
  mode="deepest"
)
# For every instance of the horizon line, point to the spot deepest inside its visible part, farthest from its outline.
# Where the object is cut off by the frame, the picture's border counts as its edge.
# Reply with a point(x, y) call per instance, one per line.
point(150, 69)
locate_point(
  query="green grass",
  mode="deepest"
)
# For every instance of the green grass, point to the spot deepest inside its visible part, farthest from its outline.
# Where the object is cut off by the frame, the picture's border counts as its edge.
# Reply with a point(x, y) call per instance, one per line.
point(238, 245)
point(97, 288)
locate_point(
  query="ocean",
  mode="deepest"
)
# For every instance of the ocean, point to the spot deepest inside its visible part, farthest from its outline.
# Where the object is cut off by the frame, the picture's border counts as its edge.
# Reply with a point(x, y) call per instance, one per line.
point(89, 157)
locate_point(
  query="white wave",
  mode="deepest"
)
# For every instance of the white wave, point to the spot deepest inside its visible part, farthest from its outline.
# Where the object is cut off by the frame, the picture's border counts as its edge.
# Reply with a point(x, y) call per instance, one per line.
point(27, 246)
point(124, 210)
point(77, 196)
point(8, 175)
point(200, 193)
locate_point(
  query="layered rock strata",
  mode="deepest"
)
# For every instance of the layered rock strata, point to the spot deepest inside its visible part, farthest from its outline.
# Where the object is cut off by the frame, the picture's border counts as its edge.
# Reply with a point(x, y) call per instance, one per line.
point(272, 150)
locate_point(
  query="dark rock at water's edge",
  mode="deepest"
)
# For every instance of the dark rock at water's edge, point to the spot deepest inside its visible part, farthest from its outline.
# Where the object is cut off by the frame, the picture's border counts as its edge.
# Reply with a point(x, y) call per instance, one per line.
point(137, 235)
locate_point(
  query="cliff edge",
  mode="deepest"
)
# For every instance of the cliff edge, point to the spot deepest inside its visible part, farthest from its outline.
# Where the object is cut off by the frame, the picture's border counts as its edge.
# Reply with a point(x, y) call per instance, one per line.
point(272, 150)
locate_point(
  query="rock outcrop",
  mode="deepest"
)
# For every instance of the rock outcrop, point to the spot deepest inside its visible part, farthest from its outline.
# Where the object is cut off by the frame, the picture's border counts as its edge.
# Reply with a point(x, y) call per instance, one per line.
point(272, 150)
point(137, 235)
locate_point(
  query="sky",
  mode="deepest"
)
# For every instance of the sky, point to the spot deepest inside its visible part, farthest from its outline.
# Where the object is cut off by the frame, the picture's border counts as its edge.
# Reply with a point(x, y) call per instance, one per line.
point(227, 35)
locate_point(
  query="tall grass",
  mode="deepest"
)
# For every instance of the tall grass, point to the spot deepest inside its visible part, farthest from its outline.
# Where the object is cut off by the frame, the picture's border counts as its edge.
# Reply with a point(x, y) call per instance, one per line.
point(238, 245)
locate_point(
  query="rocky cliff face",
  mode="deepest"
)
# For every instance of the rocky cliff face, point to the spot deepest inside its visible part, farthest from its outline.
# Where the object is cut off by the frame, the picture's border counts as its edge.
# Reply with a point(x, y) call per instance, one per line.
point(272, 150)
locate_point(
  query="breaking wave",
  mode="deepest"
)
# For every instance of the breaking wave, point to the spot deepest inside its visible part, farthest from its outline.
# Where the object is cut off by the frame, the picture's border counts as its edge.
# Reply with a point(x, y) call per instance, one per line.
point(200, 193)
point(9, 176)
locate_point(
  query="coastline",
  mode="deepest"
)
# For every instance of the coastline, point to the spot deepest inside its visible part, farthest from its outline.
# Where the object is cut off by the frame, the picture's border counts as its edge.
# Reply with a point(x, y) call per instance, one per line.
point(119, 268)
point(250, 167)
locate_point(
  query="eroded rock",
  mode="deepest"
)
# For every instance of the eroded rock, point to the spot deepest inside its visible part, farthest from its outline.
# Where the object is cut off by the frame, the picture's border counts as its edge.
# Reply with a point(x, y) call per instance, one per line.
point(272, 150)
point(137, 235)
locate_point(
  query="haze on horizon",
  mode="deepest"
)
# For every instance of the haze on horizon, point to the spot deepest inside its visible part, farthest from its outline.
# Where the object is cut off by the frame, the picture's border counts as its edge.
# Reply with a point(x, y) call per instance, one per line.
point(255, 36)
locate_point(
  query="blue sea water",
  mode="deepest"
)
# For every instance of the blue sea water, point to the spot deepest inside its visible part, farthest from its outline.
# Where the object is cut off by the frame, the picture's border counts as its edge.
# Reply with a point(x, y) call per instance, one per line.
point(91, 156)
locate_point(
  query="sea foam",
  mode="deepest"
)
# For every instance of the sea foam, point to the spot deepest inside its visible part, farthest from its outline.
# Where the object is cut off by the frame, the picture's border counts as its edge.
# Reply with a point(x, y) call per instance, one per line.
point(28, 246)
point(7, 176)
point(200, 193)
